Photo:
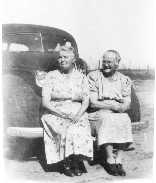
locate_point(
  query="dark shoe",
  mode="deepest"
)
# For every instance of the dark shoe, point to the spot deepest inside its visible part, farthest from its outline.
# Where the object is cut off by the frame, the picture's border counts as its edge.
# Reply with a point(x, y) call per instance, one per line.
point(75, 165)
point(68, 172)
point(76, 168)
point(67, 169)
point(111, 169)
point(82, 167)
point(120, 170)
point(77, 172)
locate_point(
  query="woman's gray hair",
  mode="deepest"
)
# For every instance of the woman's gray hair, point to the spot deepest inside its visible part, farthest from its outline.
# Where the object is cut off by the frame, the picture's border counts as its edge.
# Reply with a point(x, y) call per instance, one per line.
point(67, 47)
point(117, 55)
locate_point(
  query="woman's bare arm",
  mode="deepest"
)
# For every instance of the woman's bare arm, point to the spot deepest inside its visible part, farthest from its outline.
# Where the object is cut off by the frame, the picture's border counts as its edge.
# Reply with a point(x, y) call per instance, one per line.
point(110, 104)
point(122, 107)
point(61, 97)
point(46, 102)
point(105, 104)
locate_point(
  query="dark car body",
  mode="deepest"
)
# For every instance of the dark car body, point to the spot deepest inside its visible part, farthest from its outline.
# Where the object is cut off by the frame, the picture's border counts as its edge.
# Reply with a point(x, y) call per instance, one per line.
point(27, 48)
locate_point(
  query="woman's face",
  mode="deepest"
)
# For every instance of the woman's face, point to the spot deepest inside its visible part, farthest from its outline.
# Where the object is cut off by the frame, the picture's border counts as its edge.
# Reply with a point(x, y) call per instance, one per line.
point(109, 64)
point(66, 60)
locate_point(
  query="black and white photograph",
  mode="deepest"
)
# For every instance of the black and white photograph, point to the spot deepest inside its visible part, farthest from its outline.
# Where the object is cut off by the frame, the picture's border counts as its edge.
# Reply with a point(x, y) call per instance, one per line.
point(78, 80)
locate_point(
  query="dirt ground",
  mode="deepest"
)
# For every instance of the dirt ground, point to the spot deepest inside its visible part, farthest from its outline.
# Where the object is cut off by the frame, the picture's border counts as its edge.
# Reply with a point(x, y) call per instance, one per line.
point(137, 163)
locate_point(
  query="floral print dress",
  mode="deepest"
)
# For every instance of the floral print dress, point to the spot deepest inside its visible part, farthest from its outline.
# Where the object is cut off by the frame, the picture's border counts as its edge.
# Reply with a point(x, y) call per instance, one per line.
point(61, 137)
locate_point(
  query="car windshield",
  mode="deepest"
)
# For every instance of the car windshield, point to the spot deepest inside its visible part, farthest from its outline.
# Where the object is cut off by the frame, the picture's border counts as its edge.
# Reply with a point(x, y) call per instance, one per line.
point(22, 42)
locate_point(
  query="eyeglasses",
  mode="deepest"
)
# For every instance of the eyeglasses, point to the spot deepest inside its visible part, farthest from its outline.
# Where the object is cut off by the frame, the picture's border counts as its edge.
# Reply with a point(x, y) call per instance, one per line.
point(108, 62)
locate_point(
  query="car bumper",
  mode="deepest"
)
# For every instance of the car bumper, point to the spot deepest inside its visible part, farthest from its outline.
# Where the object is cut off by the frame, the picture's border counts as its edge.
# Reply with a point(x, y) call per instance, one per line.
point(25, 132)
point(37, 132)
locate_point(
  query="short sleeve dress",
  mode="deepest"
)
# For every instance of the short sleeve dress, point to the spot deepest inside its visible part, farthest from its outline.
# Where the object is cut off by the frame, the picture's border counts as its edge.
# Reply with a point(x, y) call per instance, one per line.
point(112, 127)
point(61, 137)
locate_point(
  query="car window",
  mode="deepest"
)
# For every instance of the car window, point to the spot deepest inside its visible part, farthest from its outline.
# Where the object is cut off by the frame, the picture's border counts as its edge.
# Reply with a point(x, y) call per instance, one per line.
point(4, 46)
point(51, 42)
point(23, 42)
point(18, 47)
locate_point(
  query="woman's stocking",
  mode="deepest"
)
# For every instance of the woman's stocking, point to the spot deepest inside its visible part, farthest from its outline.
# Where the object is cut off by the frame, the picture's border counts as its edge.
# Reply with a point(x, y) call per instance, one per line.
point(119, 155)
point(110, 156)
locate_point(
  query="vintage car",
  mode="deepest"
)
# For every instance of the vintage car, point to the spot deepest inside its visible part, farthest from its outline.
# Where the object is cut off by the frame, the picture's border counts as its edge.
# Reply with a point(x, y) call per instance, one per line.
point(27, 49)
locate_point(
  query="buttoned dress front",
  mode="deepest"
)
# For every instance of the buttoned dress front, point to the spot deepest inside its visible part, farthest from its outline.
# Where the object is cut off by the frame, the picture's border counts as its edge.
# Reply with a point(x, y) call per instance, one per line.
point(62, 138)
point(111, 127)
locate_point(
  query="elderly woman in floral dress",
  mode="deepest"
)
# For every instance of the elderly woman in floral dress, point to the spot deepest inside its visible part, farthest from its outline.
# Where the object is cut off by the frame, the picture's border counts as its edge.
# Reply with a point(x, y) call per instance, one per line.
point(110, 95)
point(65, 96)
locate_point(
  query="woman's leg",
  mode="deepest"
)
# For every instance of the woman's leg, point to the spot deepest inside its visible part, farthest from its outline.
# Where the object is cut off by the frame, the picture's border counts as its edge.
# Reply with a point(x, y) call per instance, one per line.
point(110, 156)
point(119, 155)
point(54, 138)
point(109, 164)
point(82, 167)
point(79, 144)
point(79, 140)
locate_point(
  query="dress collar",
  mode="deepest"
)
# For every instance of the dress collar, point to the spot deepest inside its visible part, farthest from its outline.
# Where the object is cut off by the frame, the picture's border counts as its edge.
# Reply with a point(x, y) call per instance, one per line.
point(114, 77)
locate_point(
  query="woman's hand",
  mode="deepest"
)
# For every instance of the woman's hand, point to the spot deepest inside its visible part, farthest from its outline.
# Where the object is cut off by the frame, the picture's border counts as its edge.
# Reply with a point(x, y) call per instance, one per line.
point(121, 107)
point(74, 118)
point(116, 106)
point(59, 113)
point(70, 117)
point(77, 98)
point(40, 77)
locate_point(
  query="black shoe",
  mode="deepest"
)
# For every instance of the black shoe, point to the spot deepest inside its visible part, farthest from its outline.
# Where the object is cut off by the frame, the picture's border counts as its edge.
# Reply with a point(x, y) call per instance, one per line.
point(76, 168)
point(120, 170)
point(77, 172)
point(66, 169)
point(111, 169)
point(75, 165)
point(82, 167)
point(68, 172)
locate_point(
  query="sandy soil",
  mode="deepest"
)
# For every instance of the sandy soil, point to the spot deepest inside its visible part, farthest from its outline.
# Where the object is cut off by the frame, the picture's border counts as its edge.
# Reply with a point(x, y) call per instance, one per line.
point(138, 163)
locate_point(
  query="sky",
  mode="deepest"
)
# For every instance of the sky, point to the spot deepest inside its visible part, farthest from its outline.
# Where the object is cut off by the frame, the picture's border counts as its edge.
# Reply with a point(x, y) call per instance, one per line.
point(97, 25)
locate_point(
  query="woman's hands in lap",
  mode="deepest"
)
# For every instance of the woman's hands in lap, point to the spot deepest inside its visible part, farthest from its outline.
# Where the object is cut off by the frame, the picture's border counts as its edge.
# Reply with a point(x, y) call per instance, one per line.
point(73, 118)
